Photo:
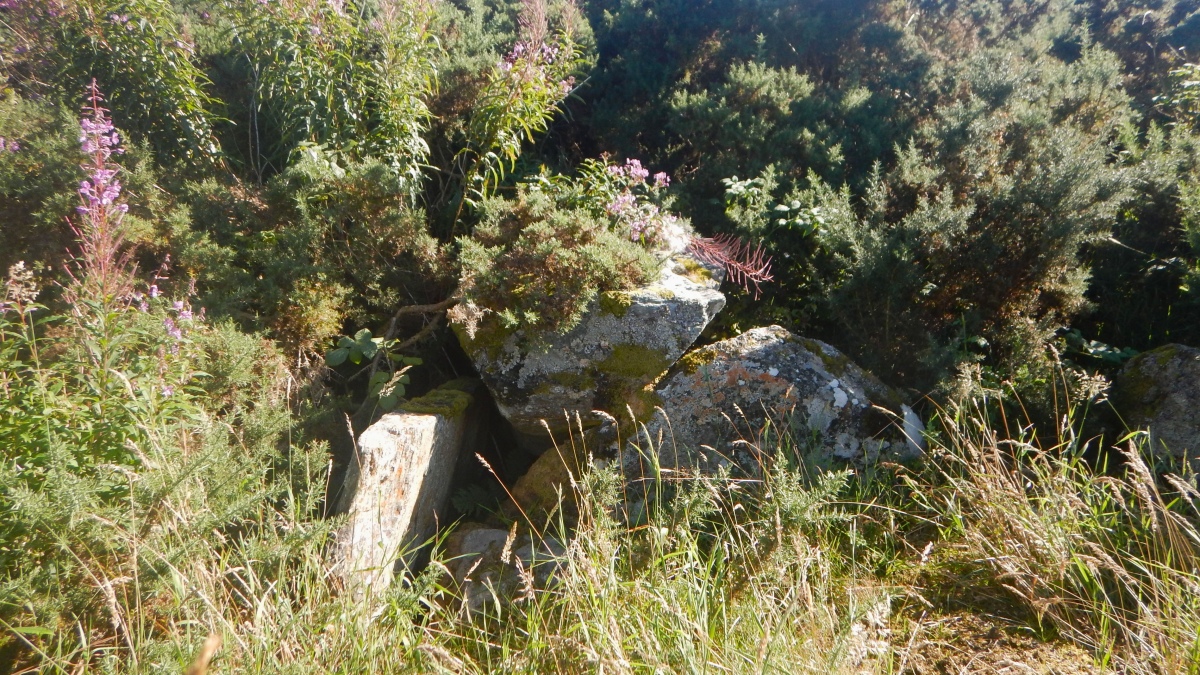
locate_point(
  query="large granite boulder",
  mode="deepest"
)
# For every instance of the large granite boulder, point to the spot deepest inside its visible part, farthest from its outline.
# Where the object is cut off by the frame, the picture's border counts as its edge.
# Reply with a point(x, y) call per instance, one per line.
point(1159, 390)
point(396, 488)
point(625, 341)
point(717, 400)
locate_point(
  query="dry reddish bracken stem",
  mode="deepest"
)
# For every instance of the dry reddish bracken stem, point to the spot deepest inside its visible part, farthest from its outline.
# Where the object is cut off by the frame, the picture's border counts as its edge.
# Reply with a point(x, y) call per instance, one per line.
point(745, 264)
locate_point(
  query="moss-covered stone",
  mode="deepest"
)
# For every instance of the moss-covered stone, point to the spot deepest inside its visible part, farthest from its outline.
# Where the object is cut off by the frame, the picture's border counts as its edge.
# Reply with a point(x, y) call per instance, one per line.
point(574, 381)
point(490, 337)
point(616, 303)
point(695, 271)
point(577, 381)
point(445, 401)
point(634, 362)
point(836, 365)
point(696, 359)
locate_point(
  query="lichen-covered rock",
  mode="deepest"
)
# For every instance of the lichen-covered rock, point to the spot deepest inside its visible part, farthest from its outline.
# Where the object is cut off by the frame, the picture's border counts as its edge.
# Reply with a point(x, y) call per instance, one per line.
point(625, 341)
point(1160, 391)
point(717, 400)
point(397, 487)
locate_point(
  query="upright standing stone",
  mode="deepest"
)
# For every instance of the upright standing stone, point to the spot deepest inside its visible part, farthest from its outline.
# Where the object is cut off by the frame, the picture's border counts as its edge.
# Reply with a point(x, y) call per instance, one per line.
point(398, 486)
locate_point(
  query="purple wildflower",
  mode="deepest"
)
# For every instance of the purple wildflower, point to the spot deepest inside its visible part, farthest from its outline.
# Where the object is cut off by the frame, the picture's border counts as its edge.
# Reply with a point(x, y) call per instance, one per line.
point(172, 329)
point(635, 170)
point(636, 229)
point(154, 290)
point(168, 390)
point(106, 266)
point(661, 180)
point(622, 203)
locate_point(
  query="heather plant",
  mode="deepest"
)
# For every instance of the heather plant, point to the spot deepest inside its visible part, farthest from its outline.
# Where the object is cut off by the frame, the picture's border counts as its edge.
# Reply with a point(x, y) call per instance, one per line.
point(538, 266)
point(538, 261)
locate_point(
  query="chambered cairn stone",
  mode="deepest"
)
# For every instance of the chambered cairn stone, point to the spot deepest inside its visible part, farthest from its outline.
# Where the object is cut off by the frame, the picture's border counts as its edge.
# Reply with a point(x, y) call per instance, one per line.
point(488, 564)
point(717, 400)
point(398, 484)
point(625, 341)
point(1159, 390)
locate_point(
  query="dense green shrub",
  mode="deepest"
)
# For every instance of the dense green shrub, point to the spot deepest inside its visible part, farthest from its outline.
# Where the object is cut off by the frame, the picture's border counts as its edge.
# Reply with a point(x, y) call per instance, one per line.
point(39, 173)
point(348, 77)
point(322, 244)
point(538, 261)
point(135, 49)
point(970, 246)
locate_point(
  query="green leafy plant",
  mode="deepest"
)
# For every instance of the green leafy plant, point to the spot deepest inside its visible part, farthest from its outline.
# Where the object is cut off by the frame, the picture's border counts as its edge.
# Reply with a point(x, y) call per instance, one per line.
point(521, 95)
point(136, 50)
point(335, 74)
point(385, 385)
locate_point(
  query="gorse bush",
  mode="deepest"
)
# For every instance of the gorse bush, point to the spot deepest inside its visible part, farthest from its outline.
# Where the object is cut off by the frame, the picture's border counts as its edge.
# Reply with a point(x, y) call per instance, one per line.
point(978, 231)
point(324, 242)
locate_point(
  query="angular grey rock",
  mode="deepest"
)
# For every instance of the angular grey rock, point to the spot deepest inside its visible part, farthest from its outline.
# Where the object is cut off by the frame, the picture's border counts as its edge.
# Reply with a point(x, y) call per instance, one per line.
point(624, 342)
point(490, 564)
point(1159, 390)
point(395, 491)
point(717, 399)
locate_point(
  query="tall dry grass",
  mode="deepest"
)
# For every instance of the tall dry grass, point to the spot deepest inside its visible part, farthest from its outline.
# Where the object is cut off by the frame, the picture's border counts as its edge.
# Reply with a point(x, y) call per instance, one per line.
point(1108, 560)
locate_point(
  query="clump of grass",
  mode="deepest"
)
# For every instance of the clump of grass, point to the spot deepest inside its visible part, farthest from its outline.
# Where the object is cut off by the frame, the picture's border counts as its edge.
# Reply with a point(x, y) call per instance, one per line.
point(1110, 562)
point(722, 574)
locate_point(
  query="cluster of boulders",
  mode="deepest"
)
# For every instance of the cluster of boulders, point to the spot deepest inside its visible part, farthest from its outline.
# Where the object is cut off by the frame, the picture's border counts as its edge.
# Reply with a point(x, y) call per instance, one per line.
point(617, 387)
point(622, 387)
